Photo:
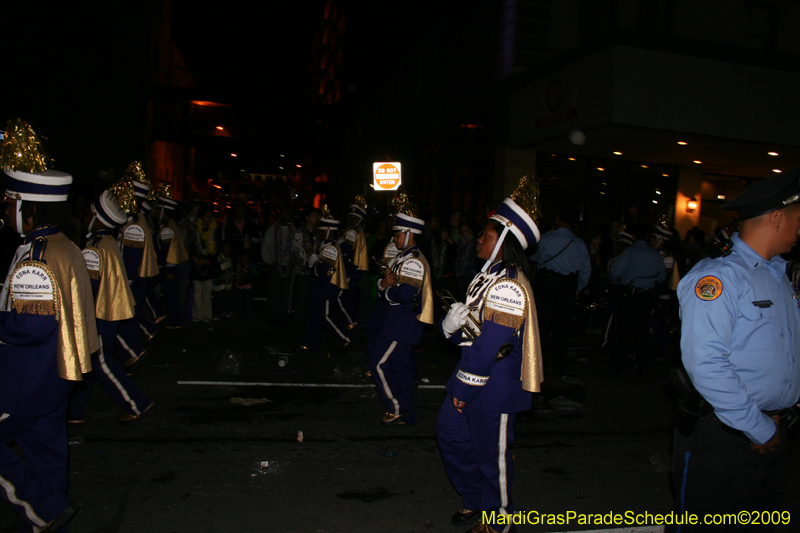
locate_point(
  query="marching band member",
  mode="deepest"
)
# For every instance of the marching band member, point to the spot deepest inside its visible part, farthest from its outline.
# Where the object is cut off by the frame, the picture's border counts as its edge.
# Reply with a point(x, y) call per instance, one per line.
point(499, 368)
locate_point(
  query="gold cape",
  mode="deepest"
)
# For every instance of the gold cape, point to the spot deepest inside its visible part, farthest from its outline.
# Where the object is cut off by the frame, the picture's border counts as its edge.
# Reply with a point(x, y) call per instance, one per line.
point(532, 372)
point(360, 258)
point(77, 336)
point(426, 315)
point(177, 251)
point(339, 277)
point(114, 301)
point(148, 268)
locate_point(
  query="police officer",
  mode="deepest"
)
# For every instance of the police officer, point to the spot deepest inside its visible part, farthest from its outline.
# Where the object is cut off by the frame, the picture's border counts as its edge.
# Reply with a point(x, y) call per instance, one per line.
point(499, 369)
point(663, 310)
point(170, 252)
point(113, 303)
point(636, 273)
point(405, 305)
point(740, 344)
point(564, 270)
point(141, 267)
point(48, 333)
point(330, 278)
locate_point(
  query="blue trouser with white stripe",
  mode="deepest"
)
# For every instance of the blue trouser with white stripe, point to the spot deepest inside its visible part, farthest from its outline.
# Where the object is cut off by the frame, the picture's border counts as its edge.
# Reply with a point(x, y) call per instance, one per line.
point(322, 312)
point(129, 333)
point(393, 371)
point(112, 377)
point(35, 486)
point(476, 449)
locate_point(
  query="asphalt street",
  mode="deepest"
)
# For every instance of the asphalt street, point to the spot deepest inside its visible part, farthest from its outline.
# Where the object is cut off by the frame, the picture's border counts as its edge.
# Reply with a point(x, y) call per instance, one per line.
point(313, 458)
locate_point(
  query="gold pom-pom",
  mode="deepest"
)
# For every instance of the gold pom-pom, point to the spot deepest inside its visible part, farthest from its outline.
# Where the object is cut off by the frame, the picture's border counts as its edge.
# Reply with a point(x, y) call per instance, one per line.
point(164, 190)
point(22, 149)
point(402, 204)
point(135, 172)
point(526, 195)
point(125, 196)
point(361, 202)
point(325, 212)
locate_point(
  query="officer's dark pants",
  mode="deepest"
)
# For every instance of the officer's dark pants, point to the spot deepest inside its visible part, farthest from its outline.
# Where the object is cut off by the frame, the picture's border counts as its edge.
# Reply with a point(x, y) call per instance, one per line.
point(112, 378)
point(476, 450)
point(394, 370)
point(555, 301)
point(322, 312)
point(633, 329)
point(714, 471)
point(35, 486)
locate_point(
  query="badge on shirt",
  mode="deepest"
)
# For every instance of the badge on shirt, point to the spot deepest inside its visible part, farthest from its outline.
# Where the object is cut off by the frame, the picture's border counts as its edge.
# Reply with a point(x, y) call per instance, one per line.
point(506, 304)
point(351, 236)
point(133, 235)
point(34, 289)
point(412, 272)
point(708, 288)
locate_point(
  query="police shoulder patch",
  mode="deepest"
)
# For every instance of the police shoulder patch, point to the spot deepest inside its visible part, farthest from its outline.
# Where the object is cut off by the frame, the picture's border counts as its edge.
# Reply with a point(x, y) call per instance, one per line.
point(708, 288)
point(34, 290)
point(94, 262)
point(506, 303)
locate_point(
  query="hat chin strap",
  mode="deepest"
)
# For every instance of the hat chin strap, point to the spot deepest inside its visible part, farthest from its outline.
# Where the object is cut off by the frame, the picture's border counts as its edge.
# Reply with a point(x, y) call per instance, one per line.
point(496, 248)
point(91, 223)
point(19, 218)
point(327, 233)
point(405, 245)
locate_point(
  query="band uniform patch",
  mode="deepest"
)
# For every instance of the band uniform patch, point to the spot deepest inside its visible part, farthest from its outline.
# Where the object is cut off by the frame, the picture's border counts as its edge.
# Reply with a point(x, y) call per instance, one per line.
point(506, 304)
point(94, 263)
point(133, 235)
point(708, 288)
point(412, 272)
point(166, 235)
point(329, 254)
point(390, 252)
point(351, 236)
point(34, 290)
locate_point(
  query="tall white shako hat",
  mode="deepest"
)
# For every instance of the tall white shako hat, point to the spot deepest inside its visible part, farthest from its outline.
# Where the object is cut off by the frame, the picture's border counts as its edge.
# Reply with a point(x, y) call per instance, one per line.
point(516, 214)
point(163, 195)
point(359, 209)
point(26, 166)
point(141, 185)
point(326, 221)
point(405, 219)
point(108, 208)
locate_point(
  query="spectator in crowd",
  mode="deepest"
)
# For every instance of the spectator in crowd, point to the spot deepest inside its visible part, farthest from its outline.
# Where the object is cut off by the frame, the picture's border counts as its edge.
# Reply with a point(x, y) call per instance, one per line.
point(276, 248)
point(243, 293)
point(304, 244)
point(466, 260)
point(240, 229)
point(204, 264)
point(222, 286)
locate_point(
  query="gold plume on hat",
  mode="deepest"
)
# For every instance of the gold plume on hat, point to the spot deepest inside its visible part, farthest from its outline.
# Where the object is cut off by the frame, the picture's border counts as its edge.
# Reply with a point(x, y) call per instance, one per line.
point(22, 149)
point(663, 223)
point(526, 195)
point(125, 195)
point(403, 204)
point(325, 212)
point(135, 172)
point(164, 190)
point(361, 202)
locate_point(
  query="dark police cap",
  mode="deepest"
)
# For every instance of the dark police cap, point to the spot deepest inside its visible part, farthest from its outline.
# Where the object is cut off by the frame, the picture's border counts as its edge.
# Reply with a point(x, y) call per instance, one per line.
point(767, 195)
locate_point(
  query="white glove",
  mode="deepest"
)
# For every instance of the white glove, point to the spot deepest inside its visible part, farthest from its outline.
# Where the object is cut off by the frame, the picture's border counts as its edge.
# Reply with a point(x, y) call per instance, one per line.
point(313, 260)
point(456, 317)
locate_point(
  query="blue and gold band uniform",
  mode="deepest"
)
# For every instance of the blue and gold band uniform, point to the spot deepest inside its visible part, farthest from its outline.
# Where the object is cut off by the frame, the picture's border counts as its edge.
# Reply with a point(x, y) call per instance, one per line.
point(114, 303)
point(476, 441)
point(740, 344)
point(396, 325)
point(141, 267)
point(330, 277)
point(354, 247)
point(170, 252)
point(48, 334)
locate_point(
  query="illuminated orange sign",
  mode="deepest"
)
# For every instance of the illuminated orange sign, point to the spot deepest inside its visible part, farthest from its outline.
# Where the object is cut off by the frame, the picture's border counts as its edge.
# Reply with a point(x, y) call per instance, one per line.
point(386, 176)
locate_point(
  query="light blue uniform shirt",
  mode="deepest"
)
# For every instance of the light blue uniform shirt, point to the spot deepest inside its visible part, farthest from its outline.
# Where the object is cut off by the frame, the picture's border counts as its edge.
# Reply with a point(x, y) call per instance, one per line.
point(640, 266)
point(739, 355)
point(574, 258)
